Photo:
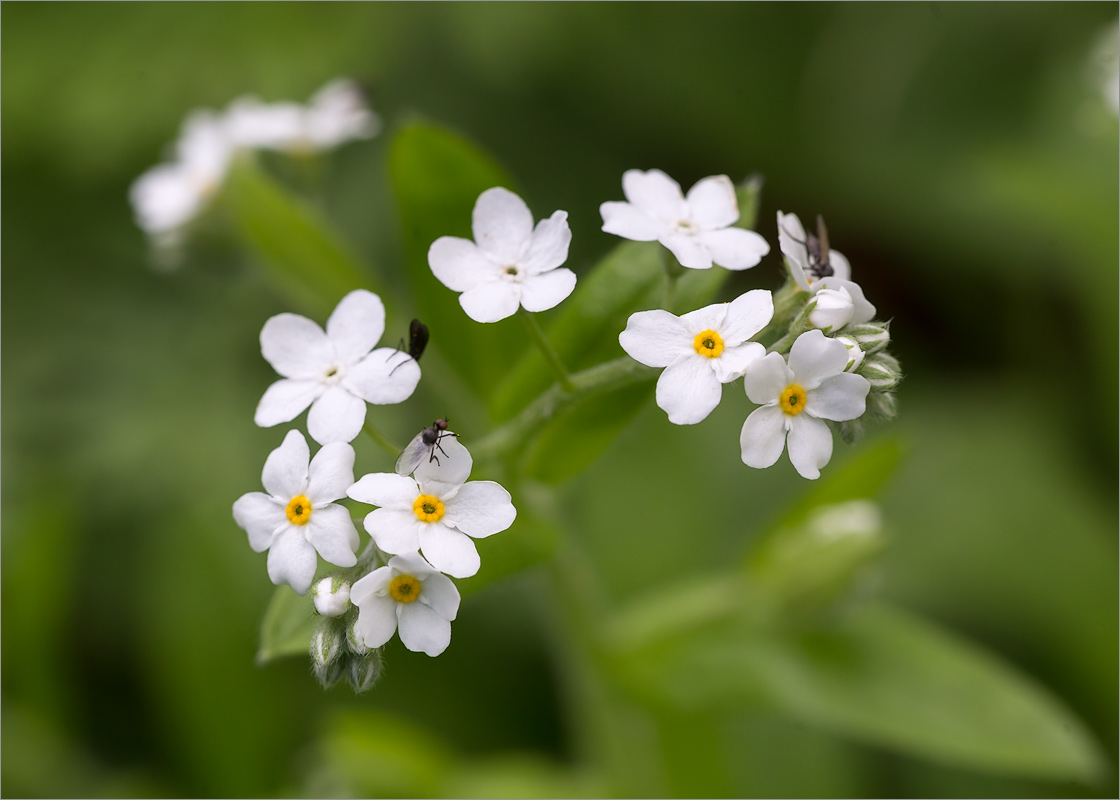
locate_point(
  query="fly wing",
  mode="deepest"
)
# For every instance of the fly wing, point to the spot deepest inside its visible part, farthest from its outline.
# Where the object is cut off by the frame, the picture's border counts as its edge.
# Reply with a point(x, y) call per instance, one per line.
point(413, 454)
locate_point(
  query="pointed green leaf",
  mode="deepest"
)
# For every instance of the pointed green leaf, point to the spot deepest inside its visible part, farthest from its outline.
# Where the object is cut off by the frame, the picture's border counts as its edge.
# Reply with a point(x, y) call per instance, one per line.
point(287, 625)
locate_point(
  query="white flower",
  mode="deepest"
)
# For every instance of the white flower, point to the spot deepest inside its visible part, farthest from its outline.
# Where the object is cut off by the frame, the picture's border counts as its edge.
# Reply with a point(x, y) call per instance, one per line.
point(840, 301)
point(336, 114)
point(796, 399)
point(696, 229)
point(168, 197)
point(408, 595)
point(298, 517)
point(333, 372)
point(509, 263)
point(331, 601)
point(435, 511)
point(700, 351)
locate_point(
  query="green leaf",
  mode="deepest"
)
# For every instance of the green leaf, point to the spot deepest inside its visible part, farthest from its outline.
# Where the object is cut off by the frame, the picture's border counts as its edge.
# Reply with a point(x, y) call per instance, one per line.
point(301, 252)
point(882, 676)
point(287, 626)
point(437, 177)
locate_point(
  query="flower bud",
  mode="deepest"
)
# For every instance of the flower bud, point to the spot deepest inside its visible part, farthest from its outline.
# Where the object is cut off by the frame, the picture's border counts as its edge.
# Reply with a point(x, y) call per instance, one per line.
point(363, 671)
point(832, 308)
point(882, 371)
point(855, 353)
point(871, 336)
point(326, 643)
point(332, 597)
point(354, 641)
point(850, 430)
point(882, 405)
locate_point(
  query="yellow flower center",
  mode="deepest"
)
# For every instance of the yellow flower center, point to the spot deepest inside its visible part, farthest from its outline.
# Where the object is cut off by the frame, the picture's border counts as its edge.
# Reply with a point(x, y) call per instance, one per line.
point(404, 588)
point(792, 400)
point(708, 344)
point(299, 510)
point(427, 508)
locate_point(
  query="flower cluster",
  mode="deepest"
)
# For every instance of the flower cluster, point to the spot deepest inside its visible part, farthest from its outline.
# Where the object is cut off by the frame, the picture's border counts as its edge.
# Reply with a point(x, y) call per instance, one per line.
point(168, 197)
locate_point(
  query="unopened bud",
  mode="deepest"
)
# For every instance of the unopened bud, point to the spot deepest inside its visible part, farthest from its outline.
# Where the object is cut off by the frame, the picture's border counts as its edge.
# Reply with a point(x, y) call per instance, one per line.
point(355, 642)
point(363, 671)
point(850, 430)
point(882, 371)
point(832, 308)
point(332, 596)
point(871, 336)
point(855, 354)
point(882, 405)
point(326, 643)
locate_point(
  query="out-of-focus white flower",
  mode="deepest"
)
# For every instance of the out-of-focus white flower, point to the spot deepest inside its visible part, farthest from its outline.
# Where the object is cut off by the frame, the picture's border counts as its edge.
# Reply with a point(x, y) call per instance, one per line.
point(510, 263)
point(409, 596)
point(699, 351)
point(796, 399)
point(827, 275)
point(334, 372)
point(331, 600)
point(337, 113)
point(436, 511)
point(697, 228)
point(168, 197)
point(298, 517)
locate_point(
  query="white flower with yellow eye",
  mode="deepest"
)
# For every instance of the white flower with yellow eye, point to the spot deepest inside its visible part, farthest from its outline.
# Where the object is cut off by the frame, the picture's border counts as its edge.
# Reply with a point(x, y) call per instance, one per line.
point(436, 511)
point(298, 517)
point(796, 399)
point(334, 371)
point(510, 263)
point(700, 351)
point(697, 228)
point(824, 273)
point(409, 596)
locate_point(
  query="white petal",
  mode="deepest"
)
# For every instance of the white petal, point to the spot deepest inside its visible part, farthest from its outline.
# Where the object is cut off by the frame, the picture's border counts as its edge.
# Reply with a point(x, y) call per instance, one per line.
point(422, 629)
point(394, 530)
point(747, 314)
point(285, 400)
point(810, 445)
point(862, 311)
point(458, 263)
point(332, 533)
point(733, 362)
point(331, 473)
point(655, 193)
point(412, 564)
point(838, 398)
point(708, 318)
point(450, 467)
point(629, 222)
point(440, 593)
point(337, 416)
point(502, 224)
point(688, 390)
point(480, 509)
point(791, 240)
point(763, 437)
point(373, 584)
point(261, 517)
point(734, 248)
point(356, 325)
point(448, 550)
point(492, 301)
point(549, 246)
point(832, 308)
point(655, 338)
point(377, 617)
point(542, 292)
point(296, 347)
point(165, 198)
point(687, 250)
point(285, 470)
point(841, 268)
point(767, 378)
point(815, 357)
point(712, 203)
point(385, 489)
point(291, 560)
point(384, 377)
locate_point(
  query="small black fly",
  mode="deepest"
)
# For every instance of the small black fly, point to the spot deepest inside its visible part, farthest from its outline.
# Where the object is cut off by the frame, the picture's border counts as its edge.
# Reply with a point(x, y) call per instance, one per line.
point(418, 336)
point(423, 444)
point(817, 248)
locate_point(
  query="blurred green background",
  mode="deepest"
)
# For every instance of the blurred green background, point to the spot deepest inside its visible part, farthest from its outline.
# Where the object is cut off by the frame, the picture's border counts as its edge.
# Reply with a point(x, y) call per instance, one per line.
point(967, 165)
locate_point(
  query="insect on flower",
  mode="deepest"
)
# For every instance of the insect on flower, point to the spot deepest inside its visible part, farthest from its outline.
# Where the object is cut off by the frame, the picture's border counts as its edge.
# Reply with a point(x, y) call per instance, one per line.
point(423, 444)
point(417, 340)
point(817, 247)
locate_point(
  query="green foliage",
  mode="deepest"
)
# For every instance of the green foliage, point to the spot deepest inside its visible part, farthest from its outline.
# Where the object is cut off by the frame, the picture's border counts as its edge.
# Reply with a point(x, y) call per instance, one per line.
point(287, 625)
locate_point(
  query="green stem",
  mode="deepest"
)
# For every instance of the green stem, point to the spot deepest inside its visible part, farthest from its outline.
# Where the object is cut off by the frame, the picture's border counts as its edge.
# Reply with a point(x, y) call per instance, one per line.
point(550, 355)
point(673, 272)
point(382, 441)
point(596, 380)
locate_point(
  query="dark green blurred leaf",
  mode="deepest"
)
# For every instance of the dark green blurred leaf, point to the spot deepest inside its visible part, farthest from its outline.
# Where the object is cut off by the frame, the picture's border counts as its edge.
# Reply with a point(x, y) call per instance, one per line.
point(882, 676)
point(302, 253)
point(437, 177)
point(287, 626)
